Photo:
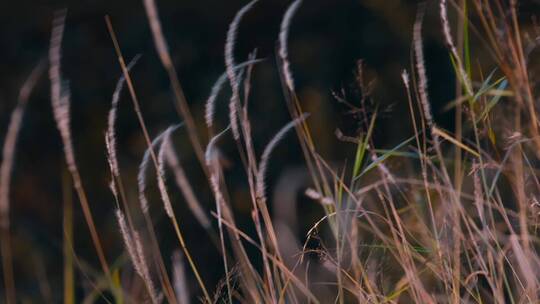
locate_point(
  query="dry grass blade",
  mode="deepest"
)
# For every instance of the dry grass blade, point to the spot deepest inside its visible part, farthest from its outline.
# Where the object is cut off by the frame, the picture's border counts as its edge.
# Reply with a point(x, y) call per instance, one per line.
point(451, 139)
point(159, 40)
point(67, 225)
point(60, 99)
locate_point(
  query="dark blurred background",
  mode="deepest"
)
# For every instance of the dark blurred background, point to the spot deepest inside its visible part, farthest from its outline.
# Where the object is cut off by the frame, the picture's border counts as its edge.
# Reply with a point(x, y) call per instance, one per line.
point(327, 39)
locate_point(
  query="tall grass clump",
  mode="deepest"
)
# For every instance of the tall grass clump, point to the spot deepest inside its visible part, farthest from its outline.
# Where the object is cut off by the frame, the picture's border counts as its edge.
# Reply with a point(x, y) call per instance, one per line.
point(459, 226)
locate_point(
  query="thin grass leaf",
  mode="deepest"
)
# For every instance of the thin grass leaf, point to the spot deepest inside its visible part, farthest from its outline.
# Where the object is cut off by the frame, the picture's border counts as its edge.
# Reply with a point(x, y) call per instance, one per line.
point(494, 101)
point(383, 157)
point(362, 147)
point(451, 139)
point(487, 85)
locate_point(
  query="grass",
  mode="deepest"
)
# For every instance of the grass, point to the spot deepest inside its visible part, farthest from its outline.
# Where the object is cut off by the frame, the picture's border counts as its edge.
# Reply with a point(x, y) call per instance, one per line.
point(461, 226)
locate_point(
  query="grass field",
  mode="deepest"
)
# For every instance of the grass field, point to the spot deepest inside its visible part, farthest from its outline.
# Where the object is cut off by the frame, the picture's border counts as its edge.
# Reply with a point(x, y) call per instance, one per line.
point(444, 216)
